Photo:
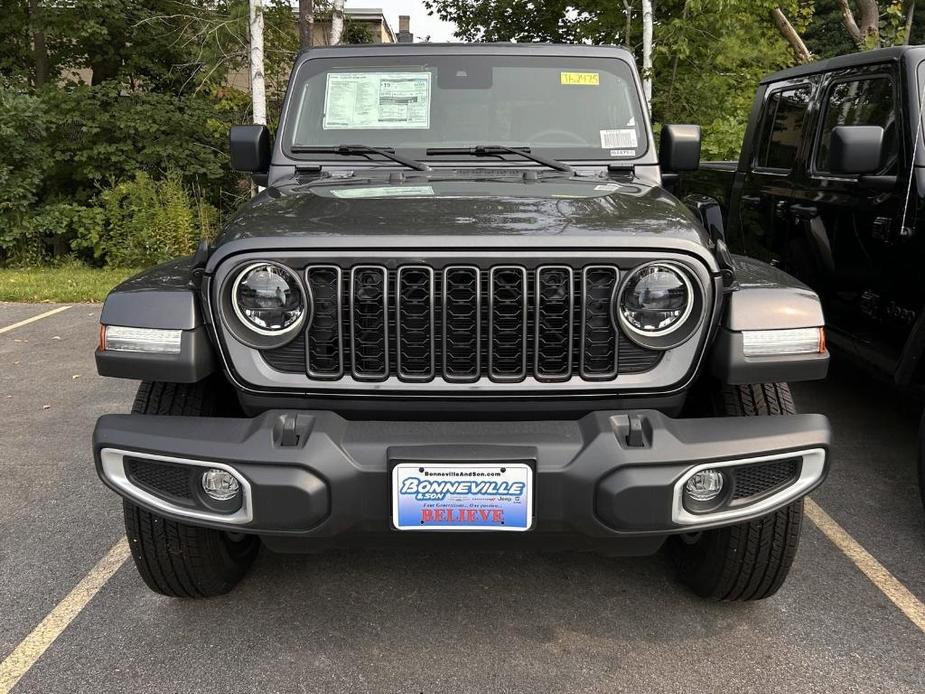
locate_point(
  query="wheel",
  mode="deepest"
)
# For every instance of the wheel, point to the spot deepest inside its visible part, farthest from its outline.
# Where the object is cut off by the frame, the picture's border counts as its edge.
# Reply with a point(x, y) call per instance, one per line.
point(176, 559)
point(749, 561)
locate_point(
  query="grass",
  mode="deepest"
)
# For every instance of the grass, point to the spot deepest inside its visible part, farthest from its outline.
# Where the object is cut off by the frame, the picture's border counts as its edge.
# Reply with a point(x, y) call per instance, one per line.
point(65, 284)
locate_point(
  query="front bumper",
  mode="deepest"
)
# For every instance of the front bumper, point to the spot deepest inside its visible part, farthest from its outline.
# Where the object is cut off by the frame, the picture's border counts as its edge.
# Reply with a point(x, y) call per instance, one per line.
point(313, 474)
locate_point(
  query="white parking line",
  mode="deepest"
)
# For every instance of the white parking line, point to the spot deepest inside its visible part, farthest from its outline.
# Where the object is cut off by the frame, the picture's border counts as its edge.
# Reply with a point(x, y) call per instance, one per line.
point(878, 574)
point(35, 644)
point(33, 319)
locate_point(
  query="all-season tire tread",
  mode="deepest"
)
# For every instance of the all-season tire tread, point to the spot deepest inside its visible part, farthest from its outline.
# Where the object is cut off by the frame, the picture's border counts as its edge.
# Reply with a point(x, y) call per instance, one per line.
point(749, 561)
point(176, 559)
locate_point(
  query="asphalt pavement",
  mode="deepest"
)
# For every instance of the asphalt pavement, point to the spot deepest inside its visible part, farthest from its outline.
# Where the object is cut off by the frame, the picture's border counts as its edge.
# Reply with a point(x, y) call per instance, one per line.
point(379, 621)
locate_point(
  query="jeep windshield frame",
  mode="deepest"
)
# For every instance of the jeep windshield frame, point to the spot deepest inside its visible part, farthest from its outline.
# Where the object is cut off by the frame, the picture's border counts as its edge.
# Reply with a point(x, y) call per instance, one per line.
point(563, 106)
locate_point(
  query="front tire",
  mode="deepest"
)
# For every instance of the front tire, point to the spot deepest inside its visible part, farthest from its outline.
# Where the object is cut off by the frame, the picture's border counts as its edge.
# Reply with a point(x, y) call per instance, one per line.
point(748, 561)
point(177, 559)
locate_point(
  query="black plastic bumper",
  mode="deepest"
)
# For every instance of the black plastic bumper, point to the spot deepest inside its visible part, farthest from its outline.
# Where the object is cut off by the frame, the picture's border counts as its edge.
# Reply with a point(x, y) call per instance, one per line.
point(317, 475)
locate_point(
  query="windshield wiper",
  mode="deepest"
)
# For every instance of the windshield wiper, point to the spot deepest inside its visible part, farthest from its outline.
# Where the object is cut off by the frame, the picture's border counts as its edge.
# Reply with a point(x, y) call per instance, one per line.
point(386, 152)
point(496, 150)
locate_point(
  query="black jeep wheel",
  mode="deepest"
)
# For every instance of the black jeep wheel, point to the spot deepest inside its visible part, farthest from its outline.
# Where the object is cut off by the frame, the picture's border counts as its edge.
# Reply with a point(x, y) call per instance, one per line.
point(748, 561)
point(176, 559)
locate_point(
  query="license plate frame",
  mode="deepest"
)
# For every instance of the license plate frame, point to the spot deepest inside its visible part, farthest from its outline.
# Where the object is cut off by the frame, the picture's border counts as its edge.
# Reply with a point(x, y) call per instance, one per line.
point(490, 503)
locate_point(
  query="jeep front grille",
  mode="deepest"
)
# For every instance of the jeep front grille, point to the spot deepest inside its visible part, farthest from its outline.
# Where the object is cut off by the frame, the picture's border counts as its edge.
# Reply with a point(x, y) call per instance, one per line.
point(462, 324)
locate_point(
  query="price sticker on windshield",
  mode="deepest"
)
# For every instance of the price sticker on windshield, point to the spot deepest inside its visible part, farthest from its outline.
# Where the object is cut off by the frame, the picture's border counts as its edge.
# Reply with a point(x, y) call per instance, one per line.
point(588, 79)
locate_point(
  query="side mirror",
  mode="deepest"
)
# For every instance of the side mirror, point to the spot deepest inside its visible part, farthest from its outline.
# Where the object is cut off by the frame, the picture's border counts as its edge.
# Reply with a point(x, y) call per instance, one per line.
point(855, 149)
point(250, 149)
point(679, 148)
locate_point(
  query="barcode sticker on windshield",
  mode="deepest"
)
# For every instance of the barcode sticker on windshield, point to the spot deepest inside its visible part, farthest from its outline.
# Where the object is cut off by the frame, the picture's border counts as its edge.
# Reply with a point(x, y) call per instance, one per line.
point(623, 138)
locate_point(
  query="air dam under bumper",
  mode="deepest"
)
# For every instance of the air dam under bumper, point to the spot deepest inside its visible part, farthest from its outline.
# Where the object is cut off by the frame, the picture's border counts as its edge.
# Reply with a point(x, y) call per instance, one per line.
point(313, 474)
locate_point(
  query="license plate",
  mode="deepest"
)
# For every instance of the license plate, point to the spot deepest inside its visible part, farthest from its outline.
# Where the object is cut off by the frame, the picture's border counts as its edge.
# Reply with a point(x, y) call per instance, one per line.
point(451, 496)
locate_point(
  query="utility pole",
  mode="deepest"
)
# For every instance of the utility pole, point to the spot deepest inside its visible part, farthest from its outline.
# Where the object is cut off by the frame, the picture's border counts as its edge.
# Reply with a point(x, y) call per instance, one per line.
point(258, 81)
point(306, 24)
point(647, 50)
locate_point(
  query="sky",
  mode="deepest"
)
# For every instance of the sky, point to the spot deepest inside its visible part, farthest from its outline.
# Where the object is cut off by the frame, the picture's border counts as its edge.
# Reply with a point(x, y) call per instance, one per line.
point(421, 24)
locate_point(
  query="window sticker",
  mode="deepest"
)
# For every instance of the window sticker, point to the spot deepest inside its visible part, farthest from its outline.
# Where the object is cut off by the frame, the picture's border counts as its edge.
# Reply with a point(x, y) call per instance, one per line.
point(624, 138)
point(370, 100)
point(384, 192)
point(588, 79)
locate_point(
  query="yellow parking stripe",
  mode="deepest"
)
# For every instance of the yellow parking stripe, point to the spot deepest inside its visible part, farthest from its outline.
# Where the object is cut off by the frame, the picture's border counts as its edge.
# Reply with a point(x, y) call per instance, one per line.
point(34, 318)
point(35, 644)
point(878, 574)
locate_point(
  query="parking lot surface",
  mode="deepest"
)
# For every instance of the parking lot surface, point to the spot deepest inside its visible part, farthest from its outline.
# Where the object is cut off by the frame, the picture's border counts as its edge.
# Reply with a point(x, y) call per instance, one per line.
point(377, 621)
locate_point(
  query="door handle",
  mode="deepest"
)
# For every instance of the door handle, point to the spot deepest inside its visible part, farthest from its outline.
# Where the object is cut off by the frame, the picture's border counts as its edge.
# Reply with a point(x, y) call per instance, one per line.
point(804, 211)
point(752, 201)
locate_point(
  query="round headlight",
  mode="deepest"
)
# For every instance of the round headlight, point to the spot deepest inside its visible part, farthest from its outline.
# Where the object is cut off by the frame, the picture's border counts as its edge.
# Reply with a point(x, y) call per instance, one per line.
point(268, 299)
point(655, 300)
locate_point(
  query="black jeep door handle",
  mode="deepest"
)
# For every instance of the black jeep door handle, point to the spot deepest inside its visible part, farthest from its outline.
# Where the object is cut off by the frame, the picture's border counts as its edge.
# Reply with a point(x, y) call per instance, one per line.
point(752, 201)
point(804, 211)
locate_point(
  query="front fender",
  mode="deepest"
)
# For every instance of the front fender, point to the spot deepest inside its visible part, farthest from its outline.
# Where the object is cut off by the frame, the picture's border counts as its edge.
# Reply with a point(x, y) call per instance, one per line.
point(160, 298)
point(767, 299)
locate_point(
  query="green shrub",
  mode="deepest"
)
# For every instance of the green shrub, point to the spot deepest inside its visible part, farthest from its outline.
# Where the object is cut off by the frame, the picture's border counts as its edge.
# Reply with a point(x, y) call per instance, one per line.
point(145, 221)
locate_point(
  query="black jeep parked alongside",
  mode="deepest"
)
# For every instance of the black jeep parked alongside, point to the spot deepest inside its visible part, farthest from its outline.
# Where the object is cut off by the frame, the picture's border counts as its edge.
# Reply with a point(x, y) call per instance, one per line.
point(464, 308)
point(830, 186)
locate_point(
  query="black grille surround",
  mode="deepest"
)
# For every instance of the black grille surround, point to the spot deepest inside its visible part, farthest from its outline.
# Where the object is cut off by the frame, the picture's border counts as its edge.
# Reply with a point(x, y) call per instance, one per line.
point(482, 323)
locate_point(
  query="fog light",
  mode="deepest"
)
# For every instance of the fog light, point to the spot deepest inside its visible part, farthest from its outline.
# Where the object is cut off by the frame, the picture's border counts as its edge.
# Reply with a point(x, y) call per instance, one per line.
point(220, 485)
point(704, 486)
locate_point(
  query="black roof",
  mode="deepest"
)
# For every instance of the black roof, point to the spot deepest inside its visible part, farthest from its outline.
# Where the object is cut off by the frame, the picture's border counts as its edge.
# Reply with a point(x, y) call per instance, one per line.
point(879, 55)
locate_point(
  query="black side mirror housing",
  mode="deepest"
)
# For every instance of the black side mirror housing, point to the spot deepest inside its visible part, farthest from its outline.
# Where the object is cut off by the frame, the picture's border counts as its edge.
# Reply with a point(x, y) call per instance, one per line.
point(679, 148)
point(856, 149)
point(251, 149)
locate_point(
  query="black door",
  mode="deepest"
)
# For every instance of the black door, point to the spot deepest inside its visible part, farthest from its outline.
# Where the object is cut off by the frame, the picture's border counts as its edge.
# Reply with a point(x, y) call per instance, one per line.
point(763, 222)
point(851, 229)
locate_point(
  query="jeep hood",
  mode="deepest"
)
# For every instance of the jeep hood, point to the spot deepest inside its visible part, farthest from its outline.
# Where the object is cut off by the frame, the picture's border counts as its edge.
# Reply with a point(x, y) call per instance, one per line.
point(454, 211)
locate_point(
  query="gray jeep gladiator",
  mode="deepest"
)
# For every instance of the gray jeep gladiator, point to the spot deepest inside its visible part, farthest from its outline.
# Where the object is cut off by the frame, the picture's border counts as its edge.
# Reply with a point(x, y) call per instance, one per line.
point(464, 310)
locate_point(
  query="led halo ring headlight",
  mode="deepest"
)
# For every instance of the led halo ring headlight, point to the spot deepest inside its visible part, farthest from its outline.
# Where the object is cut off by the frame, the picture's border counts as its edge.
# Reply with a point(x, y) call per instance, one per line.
point(269, 304)
point(657, 305)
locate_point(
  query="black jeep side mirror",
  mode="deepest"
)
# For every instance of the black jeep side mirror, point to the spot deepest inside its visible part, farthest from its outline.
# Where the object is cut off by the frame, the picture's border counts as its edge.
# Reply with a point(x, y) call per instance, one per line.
point(856, 149)
point(250, 149)
point(679, 148)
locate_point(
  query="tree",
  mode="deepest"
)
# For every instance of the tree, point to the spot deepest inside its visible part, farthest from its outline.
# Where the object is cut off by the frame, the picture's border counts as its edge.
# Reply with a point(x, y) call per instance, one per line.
point(306, 24)
point(647, 50)
point(258, 83)
point(337, 22)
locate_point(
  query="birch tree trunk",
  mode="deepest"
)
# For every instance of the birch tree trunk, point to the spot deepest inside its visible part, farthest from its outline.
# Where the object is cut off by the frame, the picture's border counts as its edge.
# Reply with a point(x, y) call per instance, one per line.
point(790, 34)
point(647, 50)
point(306, 24)
point(628, 13)
point(337, 22)
point(258, 82)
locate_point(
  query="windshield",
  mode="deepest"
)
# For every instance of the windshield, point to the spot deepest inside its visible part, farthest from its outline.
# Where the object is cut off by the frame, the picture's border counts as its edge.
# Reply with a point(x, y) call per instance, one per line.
point(571, 108)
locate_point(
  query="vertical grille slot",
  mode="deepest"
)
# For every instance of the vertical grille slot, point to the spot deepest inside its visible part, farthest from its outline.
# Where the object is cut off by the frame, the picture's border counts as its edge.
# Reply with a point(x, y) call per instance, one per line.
point(555, 302)
point(462, 324)
point(507, 323)
point(324, 347)
point(598, 332)
point(369, 322)
point(414, 323)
